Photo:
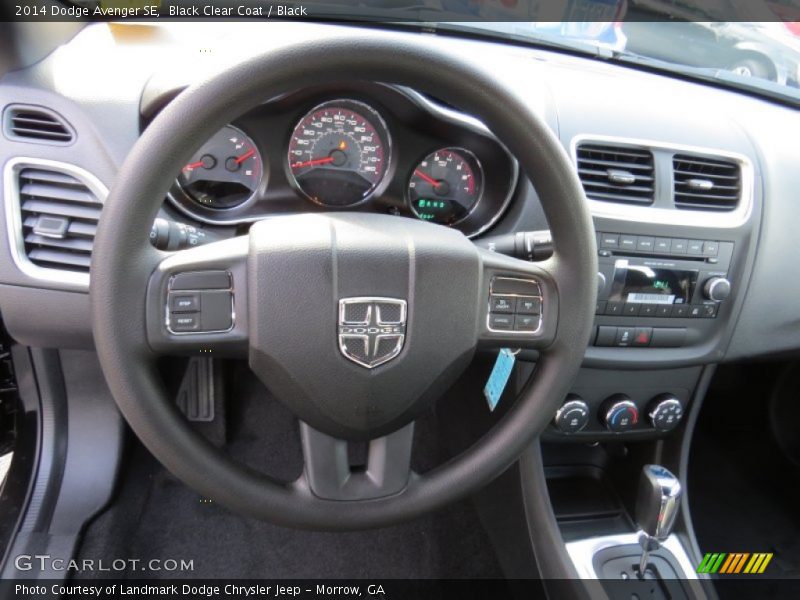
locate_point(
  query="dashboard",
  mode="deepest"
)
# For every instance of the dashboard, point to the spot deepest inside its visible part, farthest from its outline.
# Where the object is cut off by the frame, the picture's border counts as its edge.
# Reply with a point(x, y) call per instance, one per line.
point(363, 147)
point(368, 146)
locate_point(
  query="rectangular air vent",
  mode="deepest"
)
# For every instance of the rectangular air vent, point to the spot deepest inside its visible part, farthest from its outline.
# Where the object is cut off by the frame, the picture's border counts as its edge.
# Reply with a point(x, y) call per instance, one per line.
point(59, 215)
point(706, 183)
point(34, 123)
point(616, 173)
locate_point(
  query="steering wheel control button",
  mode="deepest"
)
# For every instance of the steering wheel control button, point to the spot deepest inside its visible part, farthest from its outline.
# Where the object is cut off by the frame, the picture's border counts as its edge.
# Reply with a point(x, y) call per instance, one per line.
point(502, 304)
point(526, 323)
point(504, 322)
point(184, 323)
point(515, 287)
point(201, 280)
point(529, 306)
point(621, 414)
point(665, 412)
point(184, 302)
point(518, 308)
point(573, 416)
point(200, 302)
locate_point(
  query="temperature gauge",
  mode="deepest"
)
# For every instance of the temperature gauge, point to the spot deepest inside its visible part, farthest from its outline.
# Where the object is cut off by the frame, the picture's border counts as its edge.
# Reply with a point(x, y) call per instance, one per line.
point(224, 172)
point(446, 186)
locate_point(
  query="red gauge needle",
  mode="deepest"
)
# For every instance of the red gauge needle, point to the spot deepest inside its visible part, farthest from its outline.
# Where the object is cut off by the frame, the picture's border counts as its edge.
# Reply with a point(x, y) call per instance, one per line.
point(193, 165)
point(427, 178)
point(316, 161)
point(244, 156)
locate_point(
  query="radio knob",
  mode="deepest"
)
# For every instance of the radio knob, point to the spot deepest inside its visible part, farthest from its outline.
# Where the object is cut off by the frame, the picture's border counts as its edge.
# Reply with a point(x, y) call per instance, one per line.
point(572, 416)
point(665, 412)
point(621, 413)
point(717, 289)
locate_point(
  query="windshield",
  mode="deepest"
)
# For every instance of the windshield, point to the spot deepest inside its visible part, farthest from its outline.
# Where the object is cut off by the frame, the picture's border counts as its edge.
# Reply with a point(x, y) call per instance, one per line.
point(752, 45)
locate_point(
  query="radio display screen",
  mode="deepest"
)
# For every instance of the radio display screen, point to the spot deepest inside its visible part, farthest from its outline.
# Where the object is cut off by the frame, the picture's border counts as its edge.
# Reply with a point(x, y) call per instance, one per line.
point(651, 285)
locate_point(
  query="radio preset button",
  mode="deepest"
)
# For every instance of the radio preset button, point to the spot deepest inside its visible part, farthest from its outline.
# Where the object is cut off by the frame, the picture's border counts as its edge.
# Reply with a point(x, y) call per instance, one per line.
point(631, 309)
point(664, 310)
point(679, 246)
point(695, 247)
point(663, 245)
point(614, 308)
point(609, 240)
point(710, 248)
point(648, 310)
point(645, 243)
point(680, 311)
point(627, 242)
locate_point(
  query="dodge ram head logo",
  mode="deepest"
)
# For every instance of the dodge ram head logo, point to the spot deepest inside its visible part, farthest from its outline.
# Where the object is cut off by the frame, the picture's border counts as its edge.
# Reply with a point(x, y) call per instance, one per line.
point(371, 330)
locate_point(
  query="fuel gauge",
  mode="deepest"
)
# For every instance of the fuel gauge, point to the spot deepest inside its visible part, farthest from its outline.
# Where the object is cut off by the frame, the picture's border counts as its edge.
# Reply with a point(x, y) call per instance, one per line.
point(445, 186)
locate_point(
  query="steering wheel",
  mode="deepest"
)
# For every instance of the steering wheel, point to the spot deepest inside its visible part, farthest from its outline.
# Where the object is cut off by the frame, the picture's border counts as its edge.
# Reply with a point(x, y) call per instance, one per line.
point(294, 295)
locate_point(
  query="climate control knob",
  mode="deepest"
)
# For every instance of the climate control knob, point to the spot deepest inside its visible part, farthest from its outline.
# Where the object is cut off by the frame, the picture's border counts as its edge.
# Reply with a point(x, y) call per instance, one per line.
point(620, 413)
point(717, 289)
point(665, 412)
point(572, 416)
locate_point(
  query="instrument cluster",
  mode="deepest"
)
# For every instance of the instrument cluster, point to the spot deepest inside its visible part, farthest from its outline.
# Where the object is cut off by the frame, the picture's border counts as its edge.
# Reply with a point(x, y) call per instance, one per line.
point(370, 147)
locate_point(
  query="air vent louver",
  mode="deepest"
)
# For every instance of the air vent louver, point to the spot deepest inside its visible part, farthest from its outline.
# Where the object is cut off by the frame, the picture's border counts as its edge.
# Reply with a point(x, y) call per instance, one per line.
point(706, 183)
point(616, 173)
point(33, 123)
point(59, 217)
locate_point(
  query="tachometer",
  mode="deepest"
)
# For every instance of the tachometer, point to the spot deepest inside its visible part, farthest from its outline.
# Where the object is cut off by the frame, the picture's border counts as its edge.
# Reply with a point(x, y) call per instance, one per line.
point(339, 153)
point(225, 172)
point(445, 186)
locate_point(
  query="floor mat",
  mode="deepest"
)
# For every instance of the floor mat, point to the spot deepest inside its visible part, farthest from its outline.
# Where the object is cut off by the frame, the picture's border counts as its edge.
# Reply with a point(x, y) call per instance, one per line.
point(744, 493)
point(157, 517)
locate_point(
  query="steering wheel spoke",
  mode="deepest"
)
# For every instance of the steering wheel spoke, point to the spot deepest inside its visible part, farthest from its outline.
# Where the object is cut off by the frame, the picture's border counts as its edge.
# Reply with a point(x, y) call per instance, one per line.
point(197, 301)
point(519, 303)
point(329, 475)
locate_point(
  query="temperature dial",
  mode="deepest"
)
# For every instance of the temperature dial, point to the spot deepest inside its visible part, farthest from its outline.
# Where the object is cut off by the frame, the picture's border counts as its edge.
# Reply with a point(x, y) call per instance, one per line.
point(446, 186)
point(621, 414)
point(572, 416)
point(665, 412)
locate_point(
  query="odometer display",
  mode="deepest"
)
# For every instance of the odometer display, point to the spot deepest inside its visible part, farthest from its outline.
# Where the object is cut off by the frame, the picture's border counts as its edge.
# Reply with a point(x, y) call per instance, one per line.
point(445, 186)
point(339, 152)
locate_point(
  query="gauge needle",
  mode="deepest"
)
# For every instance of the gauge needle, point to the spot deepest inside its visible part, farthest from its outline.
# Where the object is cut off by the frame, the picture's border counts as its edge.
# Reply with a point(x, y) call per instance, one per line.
point(427, 178)
point(244, 156)
point(316, 161)
point(193, 165)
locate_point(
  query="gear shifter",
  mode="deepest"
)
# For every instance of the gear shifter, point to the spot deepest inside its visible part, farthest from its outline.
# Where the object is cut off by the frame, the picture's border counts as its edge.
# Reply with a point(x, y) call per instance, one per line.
point(656, 509)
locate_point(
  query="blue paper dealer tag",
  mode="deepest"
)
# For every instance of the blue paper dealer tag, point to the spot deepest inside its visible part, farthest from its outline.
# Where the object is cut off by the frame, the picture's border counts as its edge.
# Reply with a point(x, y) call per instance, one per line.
point(499, 378)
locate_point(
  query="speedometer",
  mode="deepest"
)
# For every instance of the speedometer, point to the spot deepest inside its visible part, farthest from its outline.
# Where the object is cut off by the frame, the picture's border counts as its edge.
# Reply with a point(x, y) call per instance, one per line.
point(339, 153)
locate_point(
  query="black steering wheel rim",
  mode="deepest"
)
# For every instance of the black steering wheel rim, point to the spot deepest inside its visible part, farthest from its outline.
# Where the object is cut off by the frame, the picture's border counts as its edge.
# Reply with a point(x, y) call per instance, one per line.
point(123, 261)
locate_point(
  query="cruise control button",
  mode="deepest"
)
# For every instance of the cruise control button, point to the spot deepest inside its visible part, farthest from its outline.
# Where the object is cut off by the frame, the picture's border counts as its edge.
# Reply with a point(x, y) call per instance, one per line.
point(201, 280)
point(648, 310)
point(501, 322)
point(526, 323)
point(188, 322)
point(502, 304)
point(184, 302)
point(529, 306)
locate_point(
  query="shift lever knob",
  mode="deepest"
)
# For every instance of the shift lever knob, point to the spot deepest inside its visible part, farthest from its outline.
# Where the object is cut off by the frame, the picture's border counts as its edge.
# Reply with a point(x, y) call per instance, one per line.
point(658, 501)
point(656, 509)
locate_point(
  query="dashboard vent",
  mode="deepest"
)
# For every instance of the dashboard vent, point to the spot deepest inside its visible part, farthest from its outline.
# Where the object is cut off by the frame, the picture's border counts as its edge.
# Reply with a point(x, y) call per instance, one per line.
point(33, 123)
point(59, 215)
point(706, 183)
point(616, 173)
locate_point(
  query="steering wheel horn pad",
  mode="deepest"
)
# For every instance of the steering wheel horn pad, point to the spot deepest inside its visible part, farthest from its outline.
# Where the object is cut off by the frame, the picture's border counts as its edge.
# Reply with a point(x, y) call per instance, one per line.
point(290, 274)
